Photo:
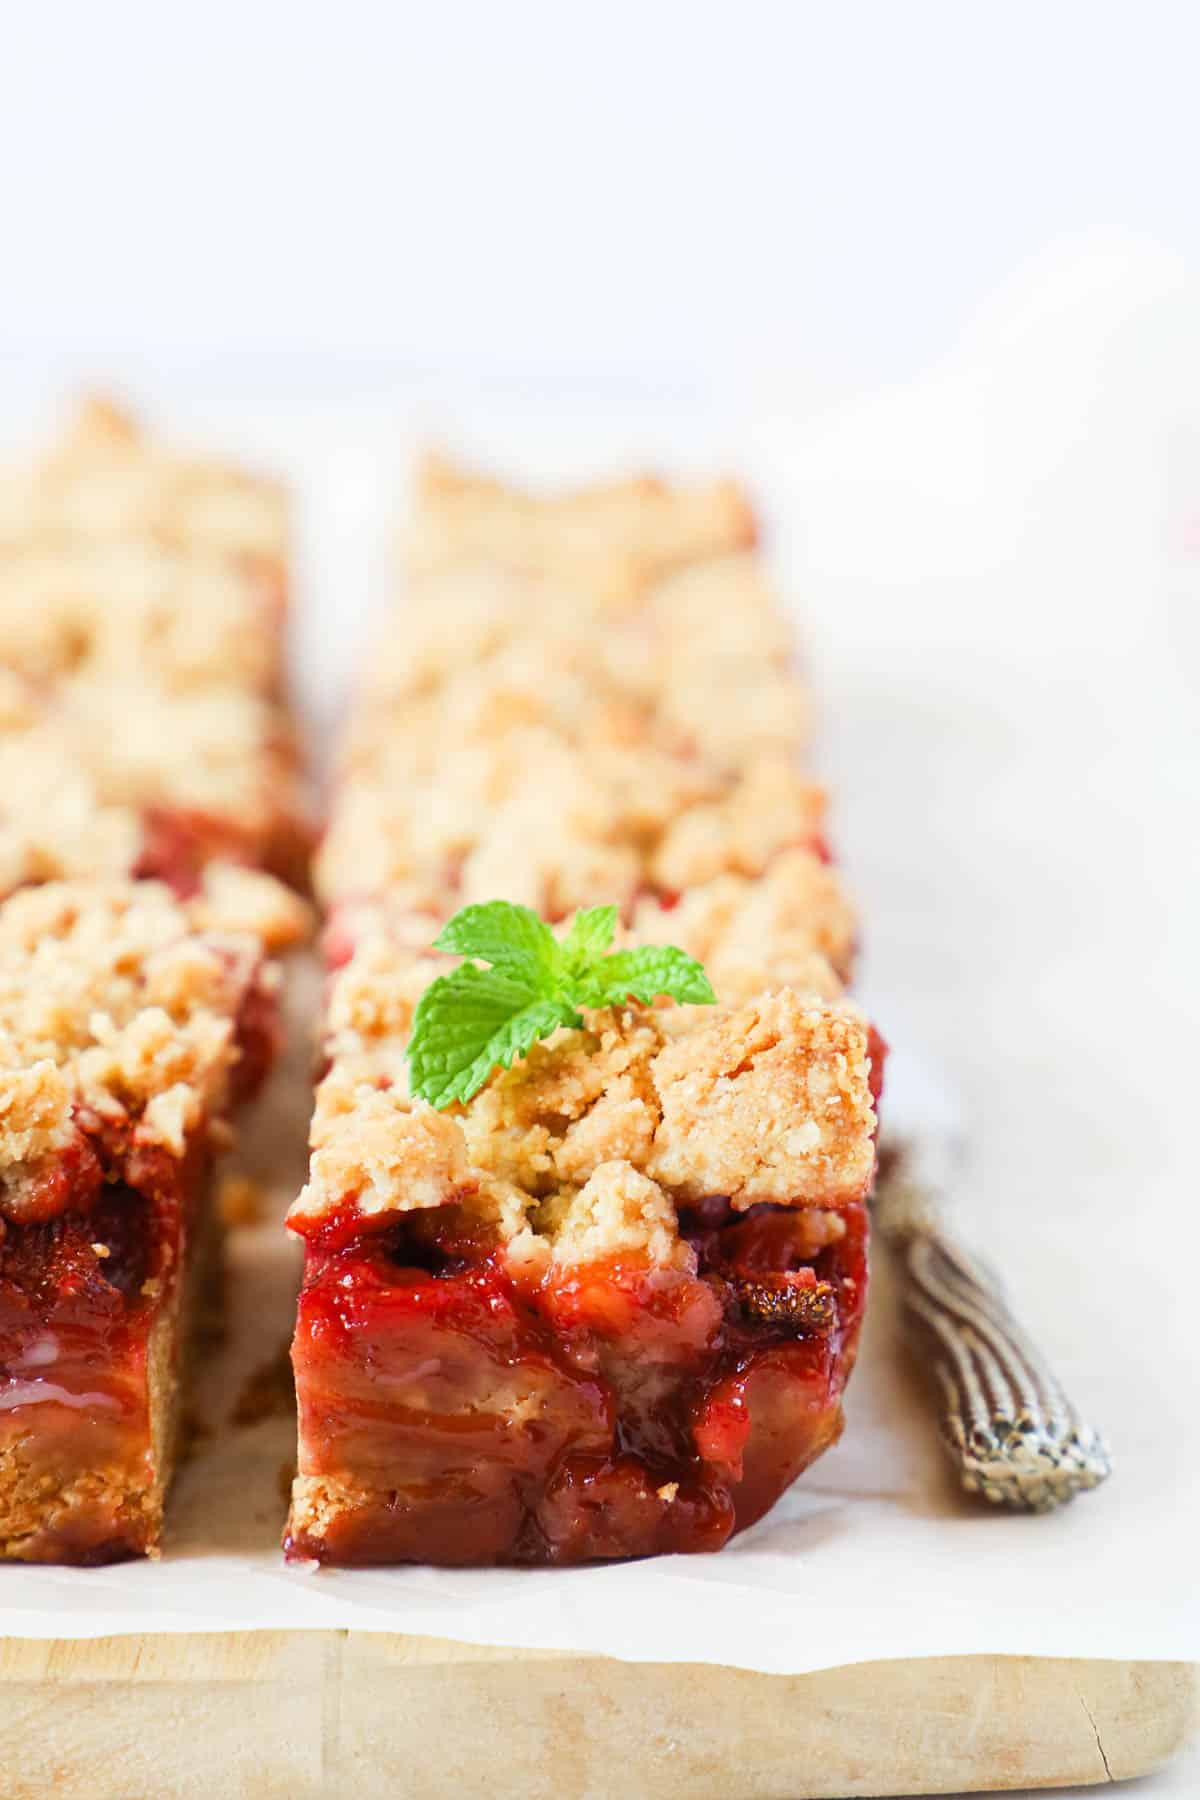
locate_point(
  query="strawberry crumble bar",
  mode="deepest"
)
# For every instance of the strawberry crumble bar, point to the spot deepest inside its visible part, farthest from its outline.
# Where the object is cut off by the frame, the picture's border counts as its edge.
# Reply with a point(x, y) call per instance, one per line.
point(606, 1303)
point(131, 1026)
point(150, 798)
point(605, 1308)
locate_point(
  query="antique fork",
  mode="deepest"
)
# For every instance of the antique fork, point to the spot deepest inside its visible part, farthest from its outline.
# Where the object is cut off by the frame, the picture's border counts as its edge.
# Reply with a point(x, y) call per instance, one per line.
point(1009, 1428)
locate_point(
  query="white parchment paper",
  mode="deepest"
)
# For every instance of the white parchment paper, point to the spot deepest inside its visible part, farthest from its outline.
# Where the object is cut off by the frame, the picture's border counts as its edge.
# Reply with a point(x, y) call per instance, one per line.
point(998, 575)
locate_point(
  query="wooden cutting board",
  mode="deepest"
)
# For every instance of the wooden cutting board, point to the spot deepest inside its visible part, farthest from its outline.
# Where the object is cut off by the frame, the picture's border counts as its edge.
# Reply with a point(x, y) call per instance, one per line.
point(295, 1715)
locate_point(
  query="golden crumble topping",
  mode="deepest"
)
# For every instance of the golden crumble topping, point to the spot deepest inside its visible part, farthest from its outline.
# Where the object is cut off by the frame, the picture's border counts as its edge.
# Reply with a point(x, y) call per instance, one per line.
point(579, 817)
point(142, 726)
point(618, 1210)
point(53, 824)
point(105, 480)
point(701, 666)
point(591, 1140)
point(791, 925)
point(376, 1149)
point(79, 768)
point(768, 808)
point(770, 1100)
point(458, 617)
point(609, 539)
point(116, 1014)
point(721, 608)
point(113, 606)
point(647, 746)
point(591, 823)
point(590, 698)
point(238, 899)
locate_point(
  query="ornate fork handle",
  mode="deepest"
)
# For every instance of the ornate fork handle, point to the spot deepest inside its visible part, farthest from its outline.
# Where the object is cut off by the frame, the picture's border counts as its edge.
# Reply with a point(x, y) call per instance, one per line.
point(1009, 1428)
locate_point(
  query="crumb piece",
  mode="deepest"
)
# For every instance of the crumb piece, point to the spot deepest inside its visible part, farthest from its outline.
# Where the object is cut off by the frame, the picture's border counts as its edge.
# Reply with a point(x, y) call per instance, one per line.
point(386, 1155)
point(235, 898)
point(620, 1212)
point(771, 1102)
point(36, 1115)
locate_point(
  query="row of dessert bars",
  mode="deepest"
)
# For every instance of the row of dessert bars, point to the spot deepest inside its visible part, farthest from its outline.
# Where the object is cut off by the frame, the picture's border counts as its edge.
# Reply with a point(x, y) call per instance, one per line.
point(606, 1305)
point(147, 787)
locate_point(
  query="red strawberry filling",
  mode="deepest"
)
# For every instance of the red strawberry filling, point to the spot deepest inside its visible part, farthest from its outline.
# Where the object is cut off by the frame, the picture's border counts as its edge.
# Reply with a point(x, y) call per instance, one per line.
point(610, 1410)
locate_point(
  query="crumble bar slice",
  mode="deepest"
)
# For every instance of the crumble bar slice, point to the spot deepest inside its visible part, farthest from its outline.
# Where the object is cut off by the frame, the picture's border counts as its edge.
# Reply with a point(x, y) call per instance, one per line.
point(606, 1308)
point(130, 1029)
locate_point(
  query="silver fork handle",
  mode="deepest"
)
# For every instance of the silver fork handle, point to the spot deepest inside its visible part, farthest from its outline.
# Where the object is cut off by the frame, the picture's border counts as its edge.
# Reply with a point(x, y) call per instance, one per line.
point(1010, 1430)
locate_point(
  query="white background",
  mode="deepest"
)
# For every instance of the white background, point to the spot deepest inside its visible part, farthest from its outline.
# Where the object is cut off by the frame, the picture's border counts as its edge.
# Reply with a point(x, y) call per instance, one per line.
point(927, 272)
point(670, 192)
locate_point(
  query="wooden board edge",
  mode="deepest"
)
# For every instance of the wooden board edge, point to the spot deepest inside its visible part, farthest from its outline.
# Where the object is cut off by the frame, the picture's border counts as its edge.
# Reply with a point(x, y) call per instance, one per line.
point(308, 1713)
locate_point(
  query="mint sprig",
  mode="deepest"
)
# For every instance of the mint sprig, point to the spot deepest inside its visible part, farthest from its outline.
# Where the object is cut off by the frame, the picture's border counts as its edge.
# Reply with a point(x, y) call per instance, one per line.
point(476, 1019)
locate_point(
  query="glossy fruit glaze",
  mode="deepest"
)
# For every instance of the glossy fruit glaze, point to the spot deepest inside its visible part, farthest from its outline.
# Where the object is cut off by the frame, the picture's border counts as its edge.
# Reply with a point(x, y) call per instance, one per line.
point(468, 1414)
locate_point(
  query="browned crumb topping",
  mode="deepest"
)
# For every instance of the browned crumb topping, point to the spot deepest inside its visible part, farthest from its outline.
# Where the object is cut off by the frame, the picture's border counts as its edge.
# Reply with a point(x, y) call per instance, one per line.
point(74, 788)
point(53, 823)
point(702, 666)
point(105, 480)
point(607, 539)
point(599, 821)
point(141, 721)
point(235, 898)
point(770, 1102)
point(793, 925)
point(587, 1145)
point(116, 1013)
point(191, 618)
point(591, 698)
point(658, 746)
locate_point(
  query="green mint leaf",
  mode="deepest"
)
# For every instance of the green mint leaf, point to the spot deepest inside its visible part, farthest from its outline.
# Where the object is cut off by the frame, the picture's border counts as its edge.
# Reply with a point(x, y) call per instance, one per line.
point(471, 1021)
point(643, 975)
point(508, 936)
point(590, 935)
point(476, 1019)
